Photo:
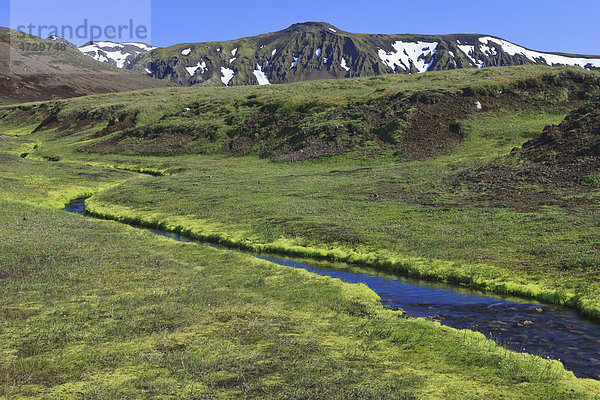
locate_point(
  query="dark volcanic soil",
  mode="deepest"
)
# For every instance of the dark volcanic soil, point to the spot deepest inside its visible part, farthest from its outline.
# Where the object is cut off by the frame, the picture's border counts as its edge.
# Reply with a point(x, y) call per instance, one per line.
point(575, 141)
point(561, 157)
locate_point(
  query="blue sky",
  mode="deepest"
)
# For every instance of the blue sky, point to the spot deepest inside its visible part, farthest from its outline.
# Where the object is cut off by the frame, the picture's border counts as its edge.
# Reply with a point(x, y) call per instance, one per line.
point(552, 25)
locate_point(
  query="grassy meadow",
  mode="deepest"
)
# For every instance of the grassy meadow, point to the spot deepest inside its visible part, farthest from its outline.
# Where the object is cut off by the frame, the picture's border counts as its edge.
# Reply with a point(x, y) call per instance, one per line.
point(96, 309)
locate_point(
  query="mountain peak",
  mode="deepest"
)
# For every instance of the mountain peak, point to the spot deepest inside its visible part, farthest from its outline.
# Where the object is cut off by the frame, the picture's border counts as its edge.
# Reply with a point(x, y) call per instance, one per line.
point(312, 26)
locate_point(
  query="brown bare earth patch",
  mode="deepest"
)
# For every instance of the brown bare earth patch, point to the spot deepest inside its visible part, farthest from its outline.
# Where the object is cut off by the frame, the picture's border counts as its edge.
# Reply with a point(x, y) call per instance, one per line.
point(27, 76)
point(574, 145)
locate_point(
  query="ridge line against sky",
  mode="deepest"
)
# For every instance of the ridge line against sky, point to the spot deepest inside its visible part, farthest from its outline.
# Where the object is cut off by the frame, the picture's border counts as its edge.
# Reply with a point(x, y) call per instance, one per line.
point(550, 26)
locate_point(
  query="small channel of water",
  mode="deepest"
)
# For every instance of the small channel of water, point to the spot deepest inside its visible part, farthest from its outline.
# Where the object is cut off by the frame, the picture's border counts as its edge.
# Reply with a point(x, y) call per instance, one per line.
point(523, 326)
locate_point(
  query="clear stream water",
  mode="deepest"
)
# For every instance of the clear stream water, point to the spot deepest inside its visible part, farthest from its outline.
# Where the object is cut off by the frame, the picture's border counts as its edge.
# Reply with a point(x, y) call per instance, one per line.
point(546, 330)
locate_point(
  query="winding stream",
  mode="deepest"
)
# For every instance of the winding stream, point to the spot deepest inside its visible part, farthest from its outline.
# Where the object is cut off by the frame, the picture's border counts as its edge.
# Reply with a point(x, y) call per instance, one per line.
point(546, 330)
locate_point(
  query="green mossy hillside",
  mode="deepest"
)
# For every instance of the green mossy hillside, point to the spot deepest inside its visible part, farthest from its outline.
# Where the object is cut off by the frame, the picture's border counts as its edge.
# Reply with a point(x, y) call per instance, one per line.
point(414, 117)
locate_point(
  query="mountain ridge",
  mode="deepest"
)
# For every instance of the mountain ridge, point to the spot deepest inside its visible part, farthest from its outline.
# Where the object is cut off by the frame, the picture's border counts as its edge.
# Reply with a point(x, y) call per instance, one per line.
point(318, 50)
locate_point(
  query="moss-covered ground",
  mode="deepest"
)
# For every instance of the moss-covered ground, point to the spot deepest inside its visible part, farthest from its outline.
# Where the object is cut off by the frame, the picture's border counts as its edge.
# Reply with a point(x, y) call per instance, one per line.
point(94, 309)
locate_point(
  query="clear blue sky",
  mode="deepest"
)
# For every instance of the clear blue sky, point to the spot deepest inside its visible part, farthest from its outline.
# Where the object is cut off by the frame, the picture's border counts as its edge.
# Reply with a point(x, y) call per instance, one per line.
point(551, 25)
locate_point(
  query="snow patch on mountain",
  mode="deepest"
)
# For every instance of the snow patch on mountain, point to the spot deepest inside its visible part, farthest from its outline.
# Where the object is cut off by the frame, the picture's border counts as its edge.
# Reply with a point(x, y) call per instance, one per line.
point(119, 58)
point(273, 52)
point(234, 52)
point(344, 64)
point(318, 52)
point(260, 76)
point(537, 57)
point(118, 54)
point(226, 75)
point(407, 54)
point(186, 52)
point(193, 70)
point(469, 51)
point(294, 63)
point(487, 50)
